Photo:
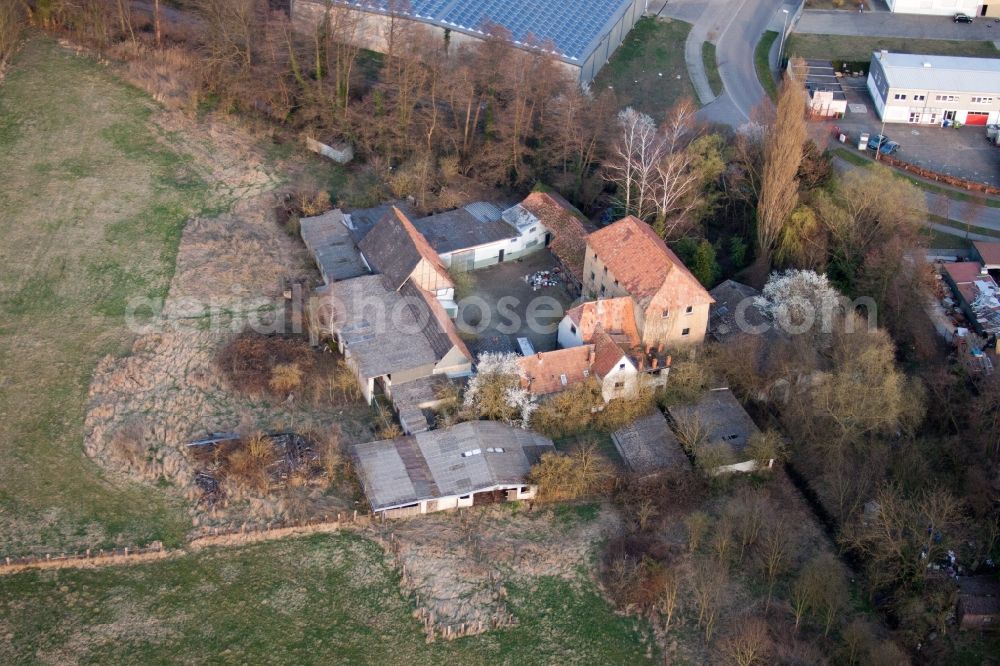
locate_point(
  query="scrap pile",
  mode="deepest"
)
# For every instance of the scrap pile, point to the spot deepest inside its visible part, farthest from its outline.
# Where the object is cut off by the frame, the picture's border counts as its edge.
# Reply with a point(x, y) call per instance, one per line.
point(986, 306)
point(540, 279)
point(286, 454)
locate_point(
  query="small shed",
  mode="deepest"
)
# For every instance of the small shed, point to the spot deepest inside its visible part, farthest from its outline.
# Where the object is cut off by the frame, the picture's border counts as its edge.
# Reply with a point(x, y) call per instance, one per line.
point(648, 446)
point(725, 422)
point(329, 240)
point(978, 602)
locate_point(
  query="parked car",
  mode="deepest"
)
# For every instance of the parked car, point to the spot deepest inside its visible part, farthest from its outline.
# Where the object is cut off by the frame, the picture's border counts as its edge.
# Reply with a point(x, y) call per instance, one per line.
point(876, 141)
point(883, 144)
point(888, 147)
point(963, 18)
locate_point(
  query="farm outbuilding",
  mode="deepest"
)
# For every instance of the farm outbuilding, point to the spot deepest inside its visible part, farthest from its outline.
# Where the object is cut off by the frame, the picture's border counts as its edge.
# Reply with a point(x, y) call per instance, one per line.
point(582, 34)
point(468, 464)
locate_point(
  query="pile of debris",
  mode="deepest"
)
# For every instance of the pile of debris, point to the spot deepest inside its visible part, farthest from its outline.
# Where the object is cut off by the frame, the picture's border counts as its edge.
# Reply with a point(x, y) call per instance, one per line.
point(540, 279)
point(289, 454)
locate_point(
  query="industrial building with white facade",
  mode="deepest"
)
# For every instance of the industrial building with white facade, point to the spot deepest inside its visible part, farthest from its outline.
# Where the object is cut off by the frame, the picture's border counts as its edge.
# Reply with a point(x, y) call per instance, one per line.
point(582, 34)
point(935, 90)
point(943, 7)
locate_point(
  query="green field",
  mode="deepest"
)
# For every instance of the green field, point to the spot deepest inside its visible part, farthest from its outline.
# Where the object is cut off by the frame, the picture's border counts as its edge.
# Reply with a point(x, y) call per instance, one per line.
point(93, 203)
point(711, 67)
point(322, 599)
point(648, 71)
point(838, 47)
point(763, 65)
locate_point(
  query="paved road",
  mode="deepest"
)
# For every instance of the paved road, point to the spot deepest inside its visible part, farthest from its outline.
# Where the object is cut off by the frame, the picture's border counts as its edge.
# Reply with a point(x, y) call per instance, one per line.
point(735, 26)
point(885, 24)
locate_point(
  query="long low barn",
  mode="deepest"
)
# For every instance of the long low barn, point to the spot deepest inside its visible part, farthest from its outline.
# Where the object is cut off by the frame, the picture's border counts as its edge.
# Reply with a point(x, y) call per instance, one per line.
point(582, 34)
point(471, 463)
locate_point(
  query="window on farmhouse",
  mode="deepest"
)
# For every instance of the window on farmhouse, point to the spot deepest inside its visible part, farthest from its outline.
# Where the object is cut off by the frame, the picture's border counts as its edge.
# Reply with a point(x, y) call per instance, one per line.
point(689, 309)
point(619, 385)
point(686, 331)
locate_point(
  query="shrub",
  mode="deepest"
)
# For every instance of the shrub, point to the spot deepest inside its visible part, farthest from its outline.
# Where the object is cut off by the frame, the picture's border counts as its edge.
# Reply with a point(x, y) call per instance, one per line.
point(285, 377)
point(581, 473)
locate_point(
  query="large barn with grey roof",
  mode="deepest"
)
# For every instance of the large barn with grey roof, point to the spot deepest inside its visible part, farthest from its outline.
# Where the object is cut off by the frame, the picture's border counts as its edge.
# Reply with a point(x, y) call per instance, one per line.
point(470, 463)
point(582, 34)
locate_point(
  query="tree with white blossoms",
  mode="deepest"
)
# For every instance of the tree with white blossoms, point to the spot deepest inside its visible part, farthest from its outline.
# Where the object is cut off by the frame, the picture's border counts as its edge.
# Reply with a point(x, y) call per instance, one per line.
point(800, 301)
point(495, 391)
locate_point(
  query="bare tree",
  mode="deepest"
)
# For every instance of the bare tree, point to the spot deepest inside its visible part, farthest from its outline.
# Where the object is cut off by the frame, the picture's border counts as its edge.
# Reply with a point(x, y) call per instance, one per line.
point(669, 594)
point(779, 178)
point(634, 160)
point(774, 554)
point(709, 584)
point(748, 643)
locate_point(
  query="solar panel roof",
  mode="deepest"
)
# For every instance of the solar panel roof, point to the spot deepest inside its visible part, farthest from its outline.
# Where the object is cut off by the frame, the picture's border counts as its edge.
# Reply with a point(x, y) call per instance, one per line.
point(571, 29)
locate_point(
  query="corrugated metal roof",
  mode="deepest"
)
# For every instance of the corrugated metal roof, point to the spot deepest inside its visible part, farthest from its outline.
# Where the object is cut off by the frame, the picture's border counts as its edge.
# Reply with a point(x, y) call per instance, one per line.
point(944, 73)
point(466, 458)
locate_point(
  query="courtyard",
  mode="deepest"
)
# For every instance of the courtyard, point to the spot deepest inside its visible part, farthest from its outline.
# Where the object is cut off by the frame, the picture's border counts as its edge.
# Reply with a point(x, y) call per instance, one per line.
point(503, 305)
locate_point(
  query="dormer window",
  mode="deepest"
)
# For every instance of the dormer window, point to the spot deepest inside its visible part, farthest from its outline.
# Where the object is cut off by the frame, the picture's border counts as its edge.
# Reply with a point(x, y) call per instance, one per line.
point(689, 309)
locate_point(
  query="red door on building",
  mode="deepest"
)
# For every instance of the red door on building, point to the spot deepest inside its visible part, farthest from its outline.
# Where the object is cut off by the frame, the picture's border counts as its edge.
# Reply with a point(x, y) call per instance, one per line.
point(976, 118)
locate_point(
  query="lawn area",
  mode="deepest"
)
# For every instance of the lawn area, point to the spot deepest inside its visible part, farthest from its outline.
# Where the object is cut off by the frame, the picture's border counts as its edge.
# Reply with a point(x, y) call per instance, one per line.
point(857, 159)
point(647, 71)
point(93, 203)
point(711, 67)
point(763, 65)
point(321, 599)
point(839, 47)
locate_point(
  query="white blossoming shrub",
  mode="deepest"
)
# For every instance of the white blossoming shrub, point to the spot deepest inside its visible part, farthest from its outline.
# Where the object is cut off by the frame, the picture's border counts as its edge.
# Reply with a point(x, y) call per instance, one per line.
point(800, 301)
point(495, 391)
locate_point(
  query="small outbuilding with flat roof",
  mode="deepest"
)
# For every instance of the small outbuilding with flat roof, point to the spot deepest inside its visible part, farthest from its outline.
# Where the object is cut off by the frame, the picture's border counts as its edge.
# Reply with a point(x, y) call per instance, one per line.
point(721, 421)
point(826, 96)
point(648, 446)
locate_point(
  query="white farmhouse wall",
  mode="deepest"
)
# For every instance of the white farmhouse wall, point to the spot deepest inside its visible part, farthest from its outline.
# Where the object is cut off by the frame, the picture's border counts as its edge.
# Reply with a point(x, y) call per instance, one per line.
point(568, 334)
point(627, 376)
